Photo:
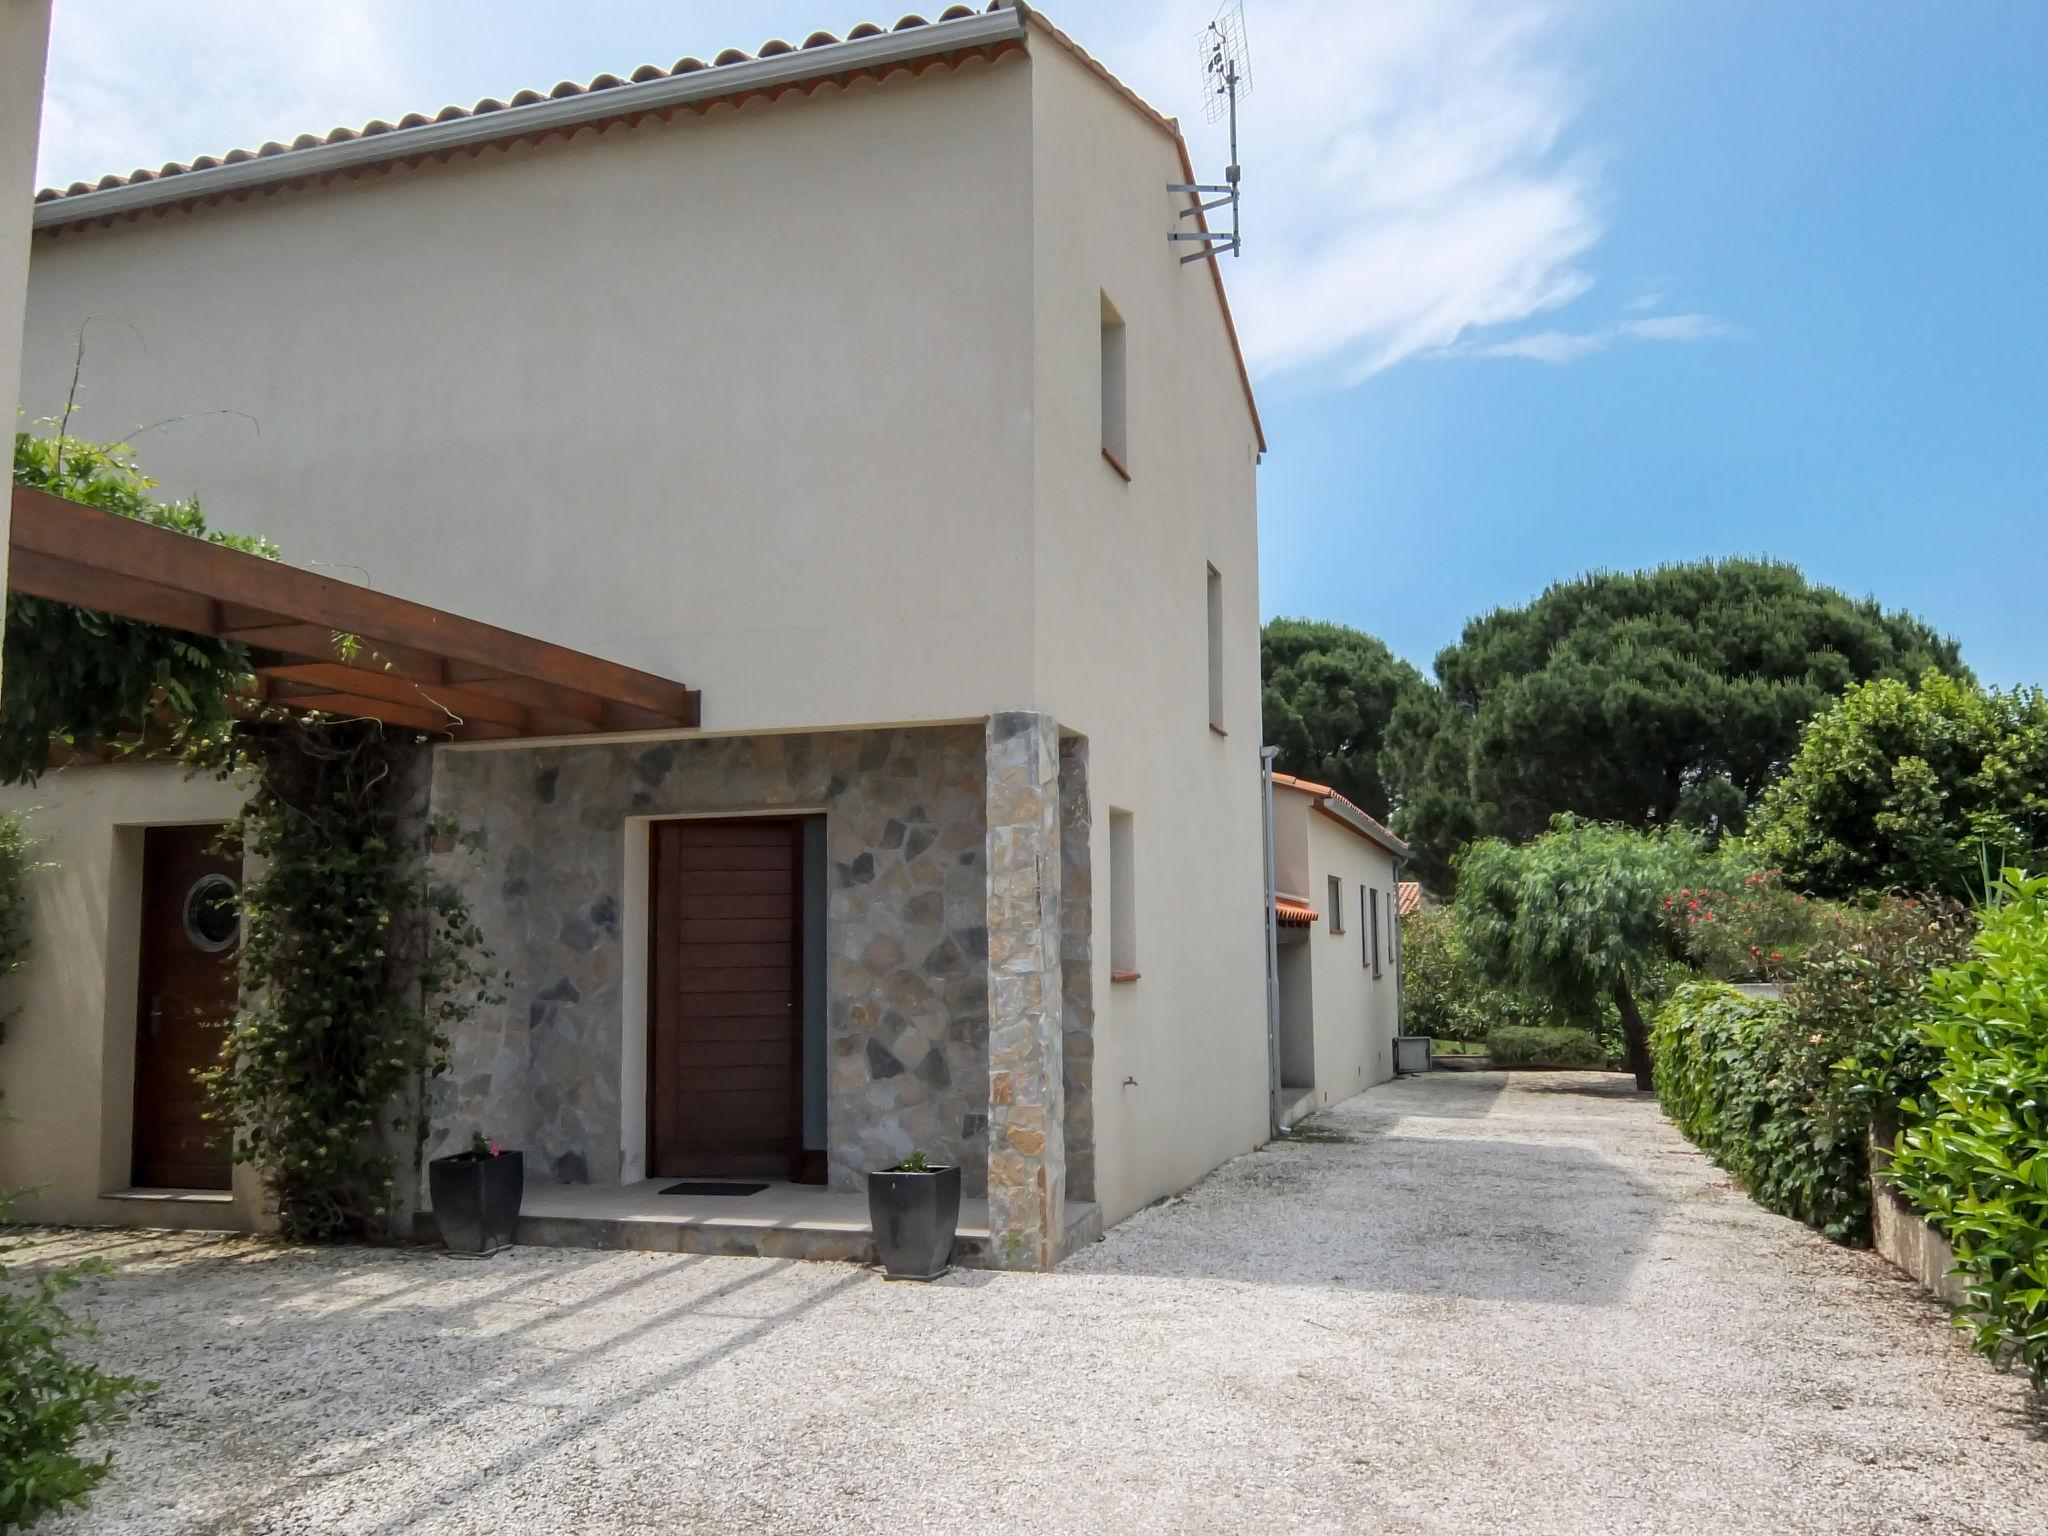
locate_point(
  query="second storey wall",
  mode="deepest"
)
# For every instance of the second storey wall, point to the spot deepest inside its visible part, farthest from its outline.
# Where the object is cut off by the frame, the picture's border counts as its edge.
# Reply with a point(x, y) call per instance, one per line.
point(1122, 636)
point(741, 399)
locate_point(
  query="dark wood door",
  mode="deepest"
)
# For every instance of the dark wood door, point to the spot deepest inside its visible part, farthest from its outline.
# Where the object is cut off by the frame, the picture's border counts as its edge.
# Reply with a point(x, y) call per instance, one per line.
point(191, 930)
point(726, 1017)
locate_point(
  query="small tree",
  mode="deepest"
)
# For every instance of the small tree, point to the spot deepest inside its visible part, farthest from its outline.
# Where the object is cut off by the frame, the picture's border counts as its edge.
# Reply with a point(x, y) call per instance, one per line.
point(1576, 917)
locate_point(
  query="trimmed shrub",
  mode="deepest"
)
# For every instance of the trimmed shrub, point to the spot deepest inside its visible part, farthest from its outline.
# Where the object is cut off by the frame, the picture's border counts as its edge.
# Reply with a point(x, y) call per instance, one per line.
point(1781, 1094)
point(1977, 1161)
point(1536, 1045)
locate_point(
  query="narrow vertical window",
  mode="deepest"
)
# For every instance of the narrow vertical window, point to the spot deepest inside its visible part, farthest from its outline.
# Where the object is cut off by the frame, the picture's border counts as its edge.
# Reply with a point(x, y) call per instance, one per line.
point(1375, 925)
point(1123, 897)
point(1364, 933)
point(1115, 427)
point(1336, 904)
point(1215, 649)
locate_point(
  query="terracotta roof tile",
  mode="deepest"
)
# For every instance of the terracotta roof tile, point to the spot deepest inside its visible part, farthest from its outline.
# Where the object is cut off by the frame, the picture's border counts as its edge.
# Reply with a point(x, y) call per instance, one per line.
point(1335, 806)
point(1290, 913)
point(683, 66)
point(1411, 897)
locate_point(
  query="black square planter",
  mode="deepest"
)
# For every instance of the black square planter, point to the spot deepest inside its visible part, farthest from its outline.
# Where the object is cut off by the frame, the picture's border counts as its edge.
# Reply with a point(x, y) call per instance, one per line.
point(476, 1200)
point(914, 1217)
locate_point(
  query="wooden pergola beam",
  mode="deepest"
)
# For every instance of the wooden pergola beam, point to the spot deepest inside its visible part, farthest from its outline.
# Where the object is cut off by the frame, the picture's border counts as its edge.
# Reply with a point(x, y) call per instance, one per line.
point(407, 663)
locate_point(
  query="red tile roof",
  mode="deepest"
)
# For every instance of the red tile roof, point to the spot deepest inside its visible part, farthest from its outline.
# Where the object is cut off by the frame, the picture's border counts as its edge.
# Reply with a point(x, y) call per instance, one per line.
point(567, 88)
point(1343, 812)
point(1410, 892)
point(1293, 914)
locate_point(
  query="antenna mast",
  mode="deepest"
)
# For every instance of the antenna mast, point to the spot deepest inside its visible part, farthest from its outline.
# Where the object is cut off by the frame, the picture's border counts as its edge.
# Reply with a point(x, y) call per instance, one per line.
point(1226, 62)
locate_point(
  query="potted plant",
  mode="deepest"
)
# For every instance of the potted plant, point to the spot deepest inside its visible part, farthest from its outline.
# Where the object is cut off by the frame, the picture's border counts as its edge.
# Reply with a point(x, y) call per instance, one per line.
point(476, 1197)
point(913, 1211)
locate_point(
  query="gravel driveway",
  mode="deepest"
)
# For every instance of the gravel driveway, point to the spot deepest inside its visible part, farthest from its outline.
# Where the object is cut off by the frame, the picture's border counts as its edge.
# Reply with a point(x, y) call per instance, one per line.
point(1462, 1303)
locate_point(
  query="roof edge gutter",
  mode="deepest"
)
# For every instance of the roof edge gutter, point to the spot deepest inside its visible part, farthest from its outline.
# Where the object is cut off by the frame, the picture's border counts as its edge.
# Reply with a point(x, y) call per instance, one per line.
point(1005, 25)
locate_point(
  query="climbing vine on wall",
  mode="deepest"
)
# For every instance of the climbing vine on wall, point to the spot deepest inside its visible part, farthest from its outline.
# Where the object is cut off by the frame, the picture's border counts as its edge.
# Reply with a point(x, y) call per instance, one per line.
point(79, 678)
point(17, 858)
point(357, 963)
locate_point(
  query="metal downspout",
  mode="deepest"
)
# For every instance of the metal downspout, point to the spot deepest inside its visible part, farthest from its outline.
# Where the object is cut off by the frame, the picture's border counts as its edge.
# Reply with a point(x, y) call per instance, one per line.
point(1266, 756)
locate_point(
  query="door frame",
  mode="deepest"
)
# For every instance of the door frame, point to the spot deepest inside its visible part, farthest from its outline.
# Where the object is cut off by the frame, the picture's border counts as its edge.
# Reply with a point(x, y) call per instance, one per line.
point(636, 1078)
point(128, 893)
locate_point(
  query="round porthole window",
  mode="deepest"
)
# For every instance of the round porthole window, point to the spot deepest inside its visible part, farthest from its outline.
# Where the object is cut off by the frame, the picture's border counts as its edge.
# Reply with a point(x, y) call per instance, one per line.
point(213, 913)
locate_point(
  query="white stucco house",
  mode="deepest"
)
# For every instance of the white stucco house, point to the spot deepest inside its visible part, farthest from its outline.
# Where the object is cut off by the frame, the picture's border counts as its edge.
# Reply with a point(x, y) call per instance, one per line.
point(855, 382)
point(1338, 939)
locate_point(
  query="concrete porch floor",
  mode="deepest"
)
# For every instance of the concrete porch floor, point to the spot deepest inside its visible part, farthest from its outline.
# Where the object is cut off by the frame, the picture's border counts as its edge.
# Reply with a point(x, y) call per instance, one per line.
point(783, 1221)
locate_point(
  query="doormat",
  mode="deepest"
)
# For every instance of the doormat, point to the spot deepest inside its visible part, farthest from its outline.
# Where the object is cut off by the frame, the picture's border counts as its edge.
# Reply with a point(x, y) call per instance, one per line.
point(713, 1187)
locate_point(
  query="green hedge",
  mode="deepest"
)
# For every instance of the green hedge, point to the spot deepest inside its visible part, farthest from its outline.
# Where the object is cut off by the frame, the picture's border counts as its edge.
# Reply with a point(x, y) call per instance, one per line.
point(1746, 1086)
point(1977, 1160)
point(1537, 1045)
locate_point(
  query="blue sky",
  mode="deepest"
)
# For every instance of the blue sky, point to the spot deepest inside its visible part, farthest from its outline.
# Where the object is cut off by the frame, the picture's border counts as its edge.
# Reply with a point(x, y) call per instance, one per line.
point(1531, 287)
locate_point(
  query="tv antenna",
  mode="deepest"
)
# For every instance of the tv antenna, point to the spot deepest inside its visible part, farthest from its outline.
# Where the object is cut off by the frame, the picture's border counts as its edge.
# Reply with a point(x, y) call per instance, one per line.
point(1226, 62)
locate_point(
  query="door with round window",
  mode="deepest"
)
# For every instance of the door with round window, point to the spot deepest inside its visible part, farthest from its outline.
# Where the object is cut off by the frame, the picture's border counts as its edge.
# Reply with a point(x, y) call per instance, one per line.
point(191, 926)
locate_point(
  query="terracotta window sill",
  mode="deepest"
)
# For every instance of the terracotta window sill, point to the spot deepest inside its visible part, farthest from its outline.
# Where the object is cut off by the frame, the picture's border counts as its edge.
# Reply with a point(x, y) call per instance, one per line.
point(1219, 730)
point(1123, 976)
point(1115, 463)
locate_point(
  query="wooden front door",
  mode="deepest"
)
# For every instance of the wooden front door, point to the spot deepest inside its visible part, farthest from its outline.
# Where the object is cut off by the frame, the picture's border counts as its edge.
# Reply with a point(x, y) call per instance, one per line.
point(191, 932)
point(725, 1050)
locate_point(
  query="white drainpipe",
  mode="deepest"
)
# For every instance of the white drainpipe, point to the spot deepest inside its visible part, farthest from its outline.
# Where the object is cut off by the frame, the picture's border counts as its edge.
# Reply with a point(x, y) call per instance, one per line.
point(1266, 756)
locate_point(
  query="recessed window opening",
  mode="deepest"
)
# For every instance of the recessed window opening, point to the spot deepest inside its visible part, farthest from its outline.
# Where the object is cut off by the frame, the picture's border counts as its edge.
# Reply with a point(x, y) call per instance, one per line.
point(1115, 426)
point(1123, 895)
point(1215, 649)
point(1336, 904)
point(1375, 925)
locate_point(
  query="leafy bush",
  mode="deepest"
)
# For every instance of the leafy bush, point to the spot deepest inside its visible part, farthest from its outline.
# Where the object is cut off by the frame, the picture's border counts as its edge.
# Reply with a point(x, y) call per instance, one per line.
point(1977, 1163)
point(50, 1402)
point(356, 963)
point(1442, 992)
point(87, 679)
point(16, 859)
point(1534, 1045)
point(1748, 929)
point(1900, 788)
point(1782, 1094)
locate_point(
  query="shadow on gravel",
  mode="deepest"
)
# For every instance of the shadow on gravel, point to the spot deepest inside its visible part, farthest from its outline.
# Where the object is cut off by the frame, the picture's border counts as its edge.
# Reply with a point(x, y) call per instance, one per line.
point(1618, 1087)
point(1443, 1096)
point(1431, 1215)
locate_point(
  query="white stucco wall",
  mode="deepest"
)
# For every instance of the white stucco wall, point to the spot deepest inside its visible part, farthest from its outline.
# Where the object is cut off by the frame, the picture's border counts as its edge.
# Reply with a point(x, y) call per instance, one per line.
point(1355, 1012)
point(1121, 652)
point(741, 399)
point(67, 1064)
point(24, 41)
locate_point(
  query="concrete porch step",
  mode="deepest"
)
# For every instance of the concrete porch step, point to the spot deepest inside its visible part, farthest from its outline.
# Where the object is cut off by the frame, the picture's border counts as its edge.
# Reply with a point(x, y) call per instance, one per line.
point(783, 1221)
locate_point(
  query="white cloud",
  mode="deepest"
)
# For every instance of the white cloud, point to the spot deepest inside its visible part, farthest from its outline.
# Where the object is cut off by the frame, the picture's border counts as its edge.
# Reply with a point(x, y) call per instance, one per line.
point(225, 74)
point(1405, 179)
point(1570, 346)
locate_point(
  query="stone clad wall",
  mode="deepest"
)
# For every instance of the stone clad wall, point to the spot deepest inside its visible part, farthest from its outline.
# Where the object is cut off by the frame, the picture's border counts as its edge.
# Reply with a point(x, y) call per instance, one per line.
point(1077, 968)
point(906, 927)
point(1027, 1132)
